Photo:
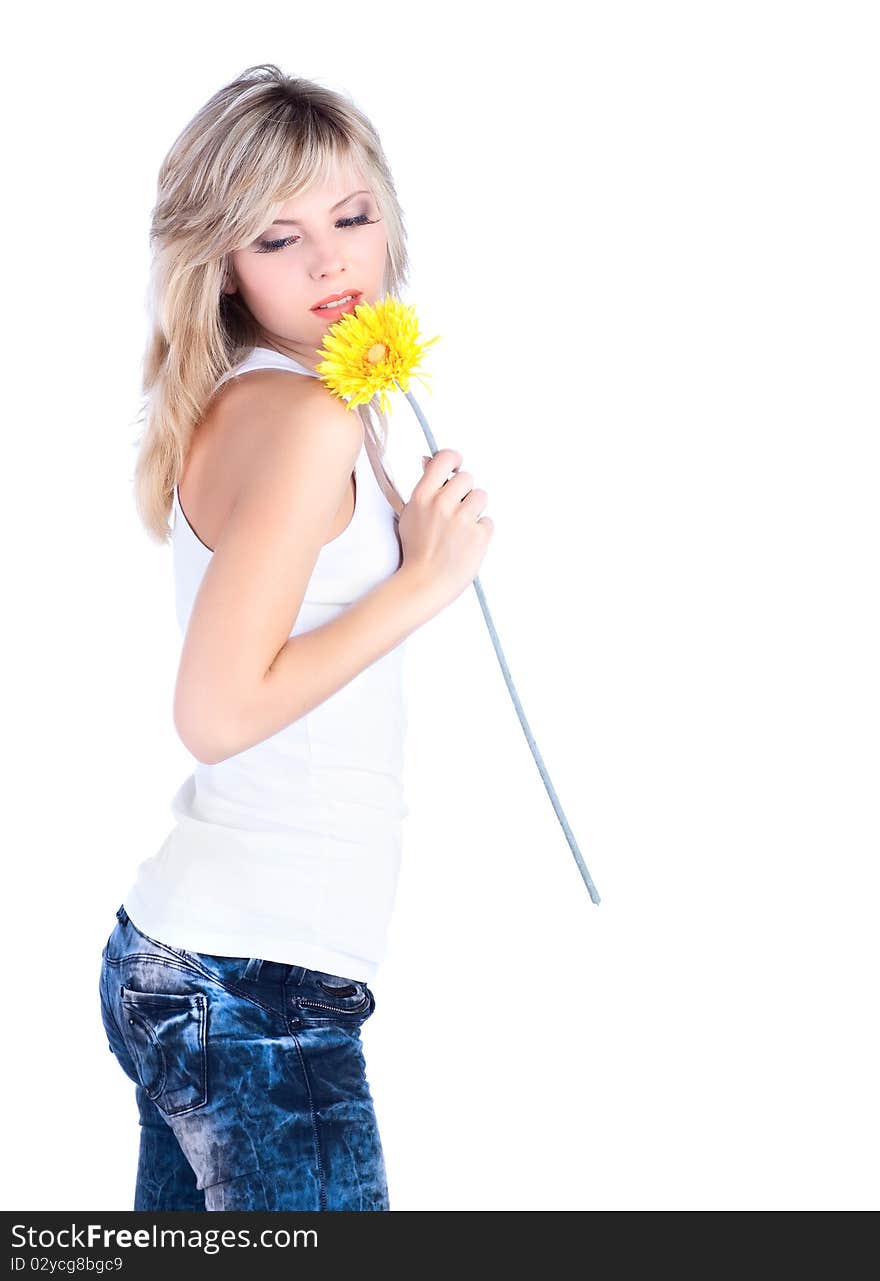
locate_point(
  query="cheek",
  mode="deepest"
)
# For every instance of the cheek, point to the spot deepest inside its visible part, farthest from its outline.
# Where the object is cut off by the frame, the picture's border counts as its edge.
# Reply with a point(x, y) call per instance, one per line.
point(380, 244)
point(267, 279)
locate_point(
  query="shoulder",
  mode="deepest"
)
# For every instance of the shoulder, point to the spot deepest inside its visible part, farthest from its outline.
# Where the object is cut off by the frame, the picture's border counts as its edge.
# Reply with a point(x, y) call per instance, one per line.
point(267, 420)
point(272, 415)
point(292, 446)
point(260, 394)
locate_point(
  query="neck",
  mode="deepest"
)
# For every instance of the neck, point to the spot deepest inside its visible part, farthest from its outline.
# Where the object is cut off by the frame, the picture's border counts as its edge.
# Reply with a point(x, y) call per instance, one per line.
point(303, 355)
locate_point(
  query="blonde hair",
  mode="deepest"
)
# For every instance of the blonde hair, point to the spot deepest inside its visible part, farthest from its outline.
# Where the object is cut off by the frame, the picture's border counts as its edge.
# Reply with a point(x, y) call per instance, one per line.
point(260, 140)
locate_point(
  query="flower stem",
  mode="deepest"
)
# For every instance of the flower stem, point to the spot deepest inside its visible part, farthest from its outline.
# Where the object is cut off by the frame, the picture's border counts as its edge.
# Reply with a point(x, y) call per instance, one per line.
point(530, 738)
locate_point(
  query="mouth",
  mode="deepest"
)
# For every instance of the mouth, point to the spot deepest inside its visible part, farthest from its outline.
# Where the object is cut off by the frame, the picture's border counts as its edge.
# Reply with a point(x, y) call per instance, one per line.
point(336, 304)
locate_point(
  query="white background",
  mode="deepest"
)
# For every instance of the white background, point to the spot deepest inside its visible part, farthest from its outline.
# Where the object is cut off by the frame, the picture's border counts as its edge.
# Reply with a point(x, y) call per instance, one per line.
point(647, 235)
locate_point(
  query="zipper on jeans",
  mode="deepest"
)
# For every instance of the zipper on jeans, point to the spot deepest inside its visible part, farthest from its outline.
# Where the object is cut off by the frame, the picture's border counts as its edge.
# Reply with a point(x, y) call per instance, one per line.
point(320, 1005)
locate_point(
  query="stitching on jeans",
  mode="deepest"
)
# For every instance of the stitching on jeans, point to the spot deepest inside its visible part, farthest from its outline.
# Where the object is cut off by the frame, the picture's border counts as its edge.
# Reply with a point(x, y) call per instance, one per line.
point(203, 1045)
point(322, 1183)
point(186, 963)
point(163, 1062)
point(191, 968)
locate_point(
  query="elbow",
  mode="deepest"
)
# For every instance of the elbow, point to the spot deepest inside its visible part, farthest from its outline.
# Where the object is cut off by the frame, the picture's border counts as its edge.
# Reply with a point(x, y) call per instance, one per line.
point(207, 753)
point(204, 747)
point(207, 738)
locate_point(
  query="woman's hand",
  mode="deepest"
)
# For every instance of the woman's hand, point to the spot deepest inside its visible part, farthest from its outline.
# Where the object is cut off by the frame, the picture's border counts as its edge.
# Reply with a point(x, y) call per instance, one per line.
point(442, 532)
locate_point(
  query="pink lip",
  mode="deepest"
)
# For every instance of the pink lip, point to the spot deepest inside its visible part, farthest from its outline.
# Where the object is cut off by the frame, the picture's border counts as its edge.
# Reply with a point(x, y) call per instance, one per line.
point(347, 306)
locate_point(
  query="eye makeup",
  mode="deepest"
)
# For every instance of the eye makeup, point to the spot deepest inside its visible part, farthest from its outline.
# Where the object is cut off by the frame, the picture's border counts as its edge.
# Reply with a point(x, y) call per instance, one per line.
point(272, 246)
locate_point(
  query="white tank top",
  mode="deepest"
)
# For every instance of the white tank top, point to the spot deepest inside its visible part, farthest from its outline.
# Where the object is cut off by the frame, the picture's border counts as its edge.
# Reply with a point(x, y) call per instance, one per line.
point(290, 850)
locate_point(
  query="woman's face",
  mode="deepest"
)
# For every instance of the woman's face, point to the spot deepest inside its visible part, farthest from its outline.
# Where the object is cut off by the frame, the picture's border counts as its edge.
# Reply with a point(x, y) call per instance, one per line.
point(334, 242)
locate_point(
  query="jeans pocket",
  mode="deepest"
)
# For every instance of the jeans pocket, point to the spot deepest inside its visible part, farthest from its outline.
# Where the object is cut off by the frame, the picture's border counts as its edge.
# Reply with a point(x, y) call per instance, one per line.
point(324, 997)
point(166, 1034)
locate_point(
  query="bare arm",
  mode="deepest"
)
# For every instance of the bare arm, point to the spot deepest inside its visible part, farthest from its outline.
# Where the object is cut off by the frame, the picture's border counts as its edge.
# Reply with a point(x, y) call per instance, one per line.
point(312, 666)
point(242, 677)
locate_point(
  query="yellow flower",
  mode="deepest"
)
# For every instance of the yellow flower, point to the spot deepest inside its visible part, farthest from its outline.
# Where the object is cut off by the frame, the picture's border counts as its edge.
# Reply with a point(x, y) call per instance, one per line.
point(372, 349)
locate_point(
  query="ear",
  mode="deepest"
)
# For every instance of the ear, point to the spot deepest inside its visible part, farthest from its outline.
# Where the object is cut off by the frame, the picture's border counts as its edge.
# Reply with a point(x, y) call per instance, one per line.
point(229, 285)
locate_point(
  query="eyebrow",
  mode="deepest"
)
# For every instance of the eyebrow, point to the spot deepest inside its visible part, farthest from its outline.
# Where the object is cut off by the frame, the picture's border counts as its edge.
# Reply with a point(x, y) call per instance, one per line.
point(293, 222)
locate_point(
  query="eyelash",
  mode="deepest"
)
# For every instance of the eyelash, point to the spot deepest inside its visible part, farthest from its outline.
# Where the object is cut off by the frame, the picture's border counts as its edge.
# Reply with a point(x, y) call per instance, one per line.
point(272, 246)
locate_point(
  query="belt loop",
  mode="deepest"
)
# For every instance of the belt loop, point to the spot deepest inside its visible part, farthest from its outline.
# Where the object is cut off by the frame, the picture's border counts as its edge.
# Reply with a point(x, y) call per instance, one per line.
point(253, 967)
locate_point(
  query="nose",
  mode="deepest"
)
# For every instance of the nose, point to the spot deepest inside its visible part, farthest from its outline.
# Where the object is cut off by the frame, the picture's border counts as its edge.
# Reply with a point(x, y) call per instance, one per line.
point(331, 276)
point(327, 262)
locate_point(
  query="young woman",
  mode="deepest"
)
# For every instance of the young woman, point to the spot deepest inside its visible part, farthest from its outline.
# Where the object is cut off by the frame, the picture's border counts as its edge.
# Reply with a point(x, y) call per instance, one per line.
point(236, 980)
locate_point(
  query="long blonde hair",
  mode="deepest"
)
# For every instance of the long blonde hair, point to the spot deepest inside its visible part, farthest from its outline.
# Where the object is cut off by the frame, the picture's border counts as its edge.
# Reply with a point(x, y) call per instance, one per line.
point(260, 140)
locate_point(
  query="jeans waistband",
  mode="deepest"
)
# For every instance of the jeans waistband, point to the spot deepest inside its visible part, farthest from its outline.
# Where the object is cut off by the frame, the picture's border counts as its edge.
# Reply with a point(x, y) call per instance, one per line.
point(256, 968)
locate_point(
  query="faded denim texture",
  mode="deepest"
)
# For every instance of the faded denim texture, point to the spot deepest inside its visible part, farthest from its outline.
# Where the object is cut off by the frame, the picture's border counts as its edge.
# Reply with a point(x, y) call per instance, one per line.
point(249, 1077)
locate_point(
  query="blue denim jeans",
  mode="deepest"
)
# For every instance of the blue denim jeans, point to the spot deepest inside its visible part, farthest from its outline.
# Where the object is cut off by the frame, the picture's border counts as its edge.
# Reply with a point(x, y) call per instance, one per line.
point(250, 1079)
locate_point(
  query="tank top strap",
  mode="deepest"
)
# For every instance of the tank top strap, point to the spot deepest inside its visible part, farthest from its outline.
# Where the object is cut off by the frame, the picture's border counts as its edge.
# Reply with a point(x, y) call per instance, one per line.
point(266, 358)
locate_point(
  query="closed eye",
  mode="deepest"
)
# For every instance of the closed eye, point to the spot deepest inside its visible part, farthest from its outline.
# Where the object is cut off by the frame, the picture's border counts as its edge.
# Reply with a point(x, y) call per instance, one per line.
point(271, 246)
